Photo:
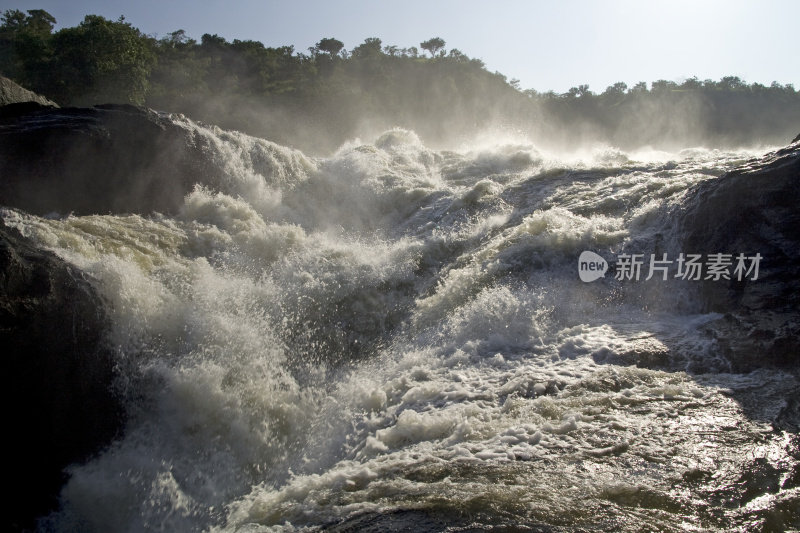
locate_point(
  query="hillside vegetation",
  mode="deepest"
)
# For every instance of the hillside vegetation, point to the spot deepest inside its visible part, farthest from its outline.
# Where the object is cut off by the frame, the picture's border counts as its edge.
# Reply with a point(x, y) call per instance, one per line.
point(317, 99)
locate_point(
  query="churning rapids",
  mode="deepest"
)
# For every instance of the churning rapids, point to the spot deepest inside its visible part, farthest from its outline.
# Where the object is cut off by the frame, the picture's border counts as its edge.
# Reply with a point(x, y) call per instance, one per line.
point(396, 338)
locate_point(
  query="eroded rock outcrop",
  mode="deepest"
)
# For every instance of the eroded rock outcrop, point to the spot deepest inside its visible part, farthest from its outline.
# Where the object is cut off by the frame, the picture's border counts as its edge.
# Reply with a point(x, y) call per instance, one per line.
point(12, 93)
point(109, 159)
point(60, 404)
point(752, 210)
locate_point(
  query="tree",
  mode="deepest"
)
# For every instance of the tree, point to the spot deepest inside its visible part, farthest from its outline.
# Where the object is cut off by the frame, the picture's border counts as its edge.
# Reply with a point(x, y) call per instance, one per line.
point(37, 21)
point(433, 45)
point(330, 45)
point(25, 46)
point(663, 86)
point(458, 55)
point(177, 39)
point(732, 83)
point(101, 61)
point(371, 47)
point(618, 89)
point(178, 71)
point(13, 21)
point(579, 92)
point(213, 41)
point(40, 22)
point(692, 84)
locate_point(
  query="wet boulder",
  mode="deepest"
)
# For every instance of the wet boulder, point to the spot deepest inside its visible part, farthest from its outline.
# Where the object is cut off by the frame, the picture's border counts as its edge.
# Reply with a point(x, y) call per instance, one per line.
point(752, 210)
point(59, 399)
point(109, 159)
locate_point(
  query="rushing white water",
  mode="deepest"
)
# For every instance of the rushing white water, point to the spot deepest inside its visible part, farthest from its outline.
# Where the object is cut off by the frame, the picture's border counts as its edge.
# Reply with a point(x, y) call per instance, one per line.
point(395, 331)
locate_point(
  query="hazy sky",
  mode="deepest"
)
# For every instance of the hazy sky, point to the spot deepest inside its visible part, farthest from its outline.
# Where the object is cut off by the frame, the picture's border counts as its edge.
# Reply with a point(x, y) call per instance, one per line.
point(547, 45)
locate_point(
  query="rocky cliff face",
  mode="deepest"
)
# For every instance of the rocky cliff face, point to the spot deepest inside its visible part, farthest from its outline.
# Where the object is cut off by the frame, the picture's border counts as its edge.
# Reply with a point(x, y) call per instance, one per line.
point(11, 93)
point(60, 374)
point(58, 393)
point(106, 159)
point(753, 209)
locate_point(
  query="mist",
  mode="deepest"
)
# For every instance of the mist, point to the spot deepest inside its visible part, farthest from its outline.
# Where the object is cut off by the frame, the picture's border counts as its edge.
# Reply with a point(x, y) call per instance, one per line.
point(341, 290)
point(319, 99)
point(449, 112)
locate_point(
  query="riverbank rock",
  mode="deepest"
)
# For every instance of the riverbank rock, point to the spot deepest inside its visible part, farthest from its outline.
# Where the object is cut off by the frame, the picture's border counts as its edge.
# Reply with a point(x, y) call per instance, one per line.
point(59, 399)
point(109, 159)
point(11, 93)
point(752, 210)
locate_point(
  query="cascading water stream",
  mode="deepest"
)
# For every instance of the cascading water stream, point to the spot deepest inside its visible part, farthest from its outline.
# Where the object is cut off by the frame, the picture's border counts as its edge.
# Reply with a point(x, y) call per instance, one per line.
point(396, 333)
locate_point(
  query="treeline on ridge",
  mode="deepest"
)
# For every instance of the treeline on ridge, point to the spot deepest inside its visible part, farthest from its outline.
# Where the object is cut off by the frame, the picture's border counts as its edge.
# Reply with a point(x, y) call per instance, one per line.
point(317, 100)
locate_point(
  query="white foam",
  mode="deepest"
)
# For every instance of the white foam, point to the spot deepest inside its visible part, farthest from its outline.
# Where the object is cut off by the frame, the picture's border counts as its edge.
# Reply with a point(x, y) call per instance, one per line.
point(399, 328)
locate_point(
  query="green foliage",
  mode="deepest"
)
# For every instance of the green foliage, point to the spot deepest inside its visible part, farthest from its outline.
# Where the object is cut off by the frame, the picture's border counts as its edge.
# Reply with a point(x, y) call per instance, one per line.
point(100, 60)
point(370, 48)
point(284, 95)
point(331, 46)
point(37, 22)
point(25, 45)
point(433, 45)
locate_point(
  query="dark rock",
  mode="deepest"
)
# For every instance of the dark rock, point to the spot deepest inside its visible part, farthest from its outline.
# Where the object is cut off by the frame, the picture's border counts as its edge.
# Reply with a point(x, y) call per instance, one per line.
point(106, 159)
point(796, 139)
point(60, 406)
point(11, 93)
point(757, 339)
point(752, 209)
point(20, 108)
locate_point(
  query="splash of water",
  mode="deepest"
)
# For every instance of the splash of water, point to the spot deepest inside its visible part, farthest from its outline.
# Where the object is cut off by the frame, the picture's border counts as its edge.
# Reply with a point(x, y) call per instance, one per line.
point(394, 329)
